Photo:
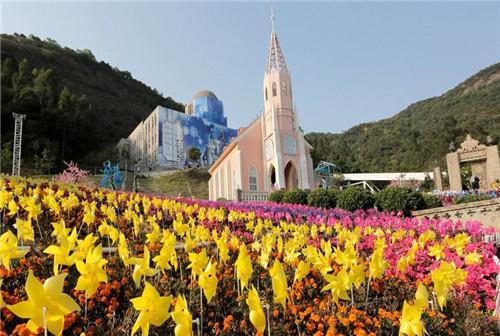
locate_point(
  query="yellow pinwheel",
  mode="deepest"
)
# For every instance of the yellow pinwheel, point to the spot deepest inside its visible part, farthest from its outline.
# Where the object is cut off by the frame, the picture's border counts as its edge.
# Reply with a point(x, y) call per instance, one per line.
point(378, 264)
point(244, 267)
point(473, 258)
point(357, 275)
point(339, 285)
point(123, 249)
point(61, 254)
point(153, 309)
point(208, 281)
point(278, 279)
point(182, 318)
point(83, 246)
point(91, 271)
point(25, 230)
point(198, 262)
point(2, 303)
point(410, 322)
point(445, 276)
point(257, 316)
point(142, 267)
point(222, 248)
point(46, 304)
point(9, 249)
point(421, 297)
point(302, 270)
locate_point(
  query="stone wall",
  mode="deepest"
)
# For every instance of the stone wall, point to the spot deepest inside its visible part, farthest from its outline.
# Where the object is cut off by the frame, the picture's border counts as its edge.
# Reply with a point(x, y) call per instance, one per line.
point(487, 212)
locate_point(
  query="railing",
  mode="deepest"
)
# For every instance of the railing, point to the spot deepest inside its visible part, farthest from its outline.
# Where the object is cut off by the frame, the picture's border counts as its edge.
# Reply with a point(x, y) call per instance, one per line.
point(252, 196)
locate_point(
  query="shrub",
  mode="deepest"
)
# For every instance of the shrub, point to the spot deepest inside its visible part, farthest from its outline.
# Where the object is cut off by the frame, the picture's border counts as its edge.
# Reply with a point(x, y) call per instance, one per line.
point(399, 199)
point(296, 196)
point(322, 198)
point(355, 198)
point(431, 201)
point(472, 198)
point(277, 196)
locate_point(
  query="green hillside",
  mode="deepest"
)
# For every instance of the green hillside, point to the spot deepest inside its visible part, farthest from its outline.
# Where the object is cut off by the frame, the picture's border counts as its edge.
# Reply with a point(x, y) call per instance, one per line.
point(419, 136)
point(186, 183)
point(77, 107)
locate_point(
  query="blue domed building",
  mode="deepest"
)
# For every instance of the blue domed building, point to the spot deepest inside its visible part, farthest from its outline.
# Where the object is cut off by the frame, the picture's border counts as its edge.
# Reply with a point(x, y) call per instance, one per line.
point(164, 138)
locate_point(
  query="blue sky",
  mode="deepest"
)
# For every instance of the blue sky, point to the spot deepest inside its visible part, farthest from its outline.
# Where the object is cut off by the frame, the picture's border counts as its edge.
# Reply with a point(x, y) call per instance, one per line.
point(350, 62)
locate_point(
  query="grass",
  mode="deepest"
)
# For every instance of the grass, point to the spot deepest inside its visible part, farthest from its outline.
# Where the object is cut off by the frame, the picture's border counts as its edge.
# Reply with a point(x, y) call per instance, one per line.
point(186, 183)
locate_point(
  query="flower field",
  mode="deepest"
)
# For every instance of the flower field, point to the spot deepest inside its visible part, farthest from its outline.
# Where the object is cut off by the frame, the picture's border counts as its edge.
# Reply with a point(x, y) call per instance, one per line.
point(79, 260)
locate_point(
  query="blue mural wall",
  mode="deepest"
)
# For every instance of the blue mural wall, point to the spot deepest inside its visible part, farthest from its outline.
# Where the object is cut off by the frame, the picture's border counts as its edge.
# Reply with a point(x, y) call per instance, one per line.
point(205, 129)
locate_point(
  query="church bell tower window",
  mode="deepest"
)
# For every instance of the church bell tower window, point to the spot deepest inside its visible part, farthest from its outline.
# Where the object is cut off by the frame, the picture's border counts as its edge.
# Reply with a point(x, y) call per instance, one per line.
point(266, 93)
point(274, 89)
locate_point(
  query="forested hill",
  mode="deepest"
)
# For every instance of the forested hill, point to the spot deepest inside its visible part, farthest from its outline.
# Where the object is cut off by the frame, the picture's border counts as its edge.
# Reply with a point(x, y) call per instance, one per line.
point(419, 136)
point(77, 108)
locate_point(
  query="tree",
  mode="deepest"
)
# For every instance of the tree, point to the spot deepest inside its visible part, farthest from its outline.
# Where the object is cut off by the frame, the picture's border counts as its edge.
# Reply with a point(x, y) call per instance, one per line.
point(194, 154)
point(45, 161)
point(6, 157)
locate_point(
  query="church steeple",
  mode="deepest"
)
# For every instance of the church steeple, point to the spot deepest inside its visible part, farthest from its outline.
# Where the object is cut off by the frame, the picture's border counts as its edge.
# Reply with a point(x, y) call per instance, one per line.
point(275, 57)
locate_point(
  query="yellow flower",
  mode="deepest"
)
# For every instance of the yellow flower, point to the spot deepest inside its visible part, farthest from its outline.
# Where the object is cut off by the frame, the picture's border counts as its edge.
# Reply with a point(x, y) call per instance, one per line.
point(257, 316)
point(182, 318)
point(208, 281)
point(153, 309)
point(45, 303)
point(9, 250)
point(278, 279)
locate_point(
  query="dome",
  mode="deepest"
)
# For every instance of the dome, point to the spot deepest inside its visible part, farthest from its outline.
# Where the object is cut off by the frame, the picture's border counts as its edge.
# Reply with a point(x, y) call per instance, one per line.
point(204, 93)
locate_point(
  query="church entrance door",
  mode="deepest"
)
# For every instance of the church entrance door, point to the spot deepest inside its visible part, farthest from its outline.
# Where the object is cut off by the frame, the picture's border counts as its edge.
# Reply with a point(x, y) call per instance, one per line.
point(272, 177)
point(291, 177)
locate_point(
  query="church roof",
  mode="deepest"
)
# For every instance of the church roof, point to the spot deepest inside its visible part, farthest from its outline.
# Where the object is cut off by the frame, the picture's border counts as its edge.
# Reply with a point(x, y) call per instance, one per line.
point(275, 57)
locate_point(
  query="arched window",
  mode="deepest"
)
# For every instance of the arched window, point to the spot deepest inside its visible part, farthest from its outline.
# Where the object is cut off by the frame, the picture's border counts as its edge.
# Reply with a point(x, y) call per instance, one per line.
point(285, 89)
point(266, 93)
point(253, 179)
point(274, 89)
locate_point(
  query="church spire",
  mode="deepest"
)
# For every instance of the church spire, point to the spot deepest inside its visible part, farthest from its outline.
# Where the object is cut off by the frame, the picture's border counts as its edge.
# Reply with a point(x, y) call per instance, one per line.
point(275, 57)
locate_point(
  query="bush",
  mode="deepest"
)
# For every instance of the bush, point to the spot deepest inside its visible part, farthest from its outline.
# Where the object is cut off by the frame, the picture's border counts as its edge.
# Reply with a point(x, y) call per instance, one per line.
point(431, 201)
point(399, 199)
point(322, 198)
point(296, 196)
point(472, 198)
point(277, 196)
point(355, 198)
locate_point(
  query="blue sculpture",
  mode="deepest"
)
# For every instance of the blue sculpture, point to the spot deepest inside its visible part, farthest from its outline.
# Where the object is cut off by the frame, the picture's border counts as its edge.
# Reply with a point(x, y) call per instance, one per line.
point(112, 177)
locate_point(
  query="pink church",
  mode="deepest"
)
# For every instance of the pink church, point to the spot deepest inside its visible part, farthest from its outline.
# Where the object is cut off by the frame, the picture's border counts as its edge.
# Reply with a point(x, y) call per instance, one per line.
point(271, 153)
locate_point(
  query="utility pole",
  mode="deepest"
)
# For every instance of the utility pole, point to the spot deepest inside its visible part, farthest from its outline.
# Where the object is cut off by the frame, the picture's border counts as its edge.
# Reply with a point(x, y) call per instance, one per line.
point(18, 137)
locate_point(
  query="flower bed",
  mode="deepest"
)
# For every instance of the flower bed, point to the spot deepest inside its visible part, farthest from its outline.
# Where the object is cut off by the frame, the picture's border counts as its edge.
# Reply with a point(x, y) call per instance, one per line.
point(319, 272)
